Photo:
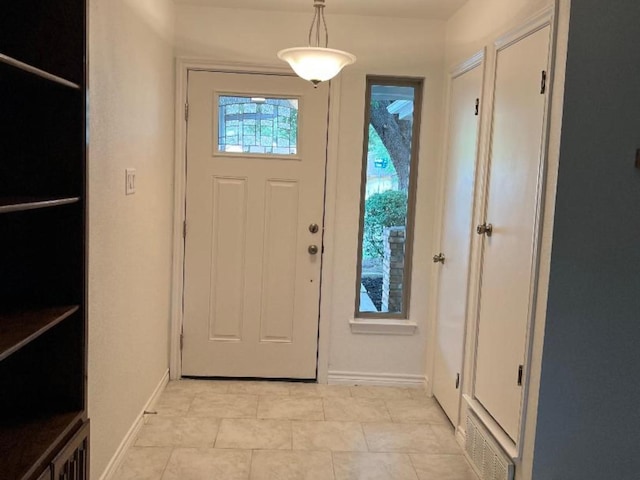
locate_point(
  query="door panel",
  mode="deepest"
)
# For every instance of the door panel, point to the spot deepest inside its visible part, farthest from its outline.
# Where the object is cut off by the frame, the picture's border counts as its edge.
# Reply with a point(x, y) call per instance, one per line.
point(456, 239)
point(255, 181)
point(279, 280)
point(512, 209)
point(227, 279)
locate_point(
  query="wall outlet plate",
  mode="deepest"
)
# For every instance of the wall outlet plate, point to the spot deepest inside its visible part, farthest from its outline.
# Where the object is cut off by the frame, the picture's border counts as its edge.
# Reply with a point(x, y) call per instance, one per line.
point(130, 181)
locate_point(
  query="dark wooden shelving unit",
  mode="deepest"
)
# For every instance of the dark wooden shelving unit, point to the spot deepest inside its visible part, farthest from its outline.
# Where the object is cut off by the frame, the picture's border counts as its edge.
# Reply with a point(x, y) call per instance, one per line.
point(44, 428)
point(36, 71)
point(19, 204)
point(21, 444)
point(18, 329)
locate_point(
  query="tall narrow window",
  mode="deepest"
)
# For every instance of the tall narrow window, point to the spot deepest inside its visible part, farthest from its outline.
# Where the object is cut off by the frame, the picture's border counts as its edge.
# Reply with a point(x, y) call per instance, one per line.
point(389, 173)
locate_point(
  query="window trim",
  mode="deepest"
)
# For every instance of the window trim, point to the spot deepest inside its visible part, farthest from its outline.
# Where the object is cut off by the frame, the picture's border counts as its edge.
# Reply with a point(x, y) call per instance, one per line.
point(418, 84)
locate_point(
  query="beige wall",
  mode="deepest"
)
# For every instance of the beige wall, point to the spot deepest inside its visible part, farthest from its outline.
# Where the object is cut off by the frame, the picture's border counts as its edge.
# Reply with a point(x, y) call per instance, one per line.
point(481, 21)
point(131, 125)
point(383, 46)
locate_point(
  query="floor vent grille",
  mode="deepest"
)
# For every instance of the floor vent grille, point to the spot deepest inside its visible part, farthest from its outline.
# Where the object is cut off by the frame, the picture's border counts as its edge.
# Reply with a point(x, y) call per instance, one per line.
point(484, 453)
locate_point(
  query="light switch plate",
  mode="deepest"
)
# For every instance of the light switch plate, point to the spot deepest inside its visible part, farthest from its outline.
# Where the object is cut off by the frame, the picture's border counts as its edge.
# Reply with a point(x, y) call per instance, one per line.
point(130, 181)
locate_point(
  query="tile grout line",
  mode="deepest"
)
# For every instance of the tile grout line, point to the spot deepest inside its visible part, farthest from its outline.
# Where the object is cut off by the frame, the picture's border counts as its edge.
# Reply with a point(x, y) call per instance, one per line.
point(364, 435)
point(250, 464)
point(164, 469)
point(413, 465)
point(333, 465)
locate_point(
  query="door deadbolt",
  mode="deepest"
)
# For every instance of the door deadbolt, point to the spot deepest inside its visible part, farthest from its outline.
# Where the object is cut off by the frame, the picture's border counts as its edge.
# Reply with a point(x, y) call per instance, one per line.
point(485, 229)
point(439, 258)
point(313, 249)
point(314, 228)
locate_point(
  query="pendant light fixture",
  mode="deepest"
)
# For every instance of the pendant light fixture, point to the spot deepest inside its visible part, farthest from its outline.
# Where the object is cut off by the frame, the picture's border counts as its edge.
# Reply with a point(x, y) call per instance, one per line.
point(317, 63)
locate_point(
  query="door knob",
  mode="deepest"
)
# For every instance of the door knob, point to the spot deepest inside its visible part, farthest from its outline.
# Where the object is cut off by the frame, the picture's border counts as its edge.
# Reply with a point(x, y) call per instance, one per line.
point(314, 228)
point(439, 258)
point(485, 229)
point(313, 249)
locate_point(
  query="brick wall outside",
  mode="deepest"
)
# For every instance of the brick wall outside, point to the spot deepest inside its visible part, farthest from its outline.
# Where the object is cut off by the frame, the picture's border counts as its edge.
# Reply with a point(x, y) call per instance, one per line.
point(393, 269)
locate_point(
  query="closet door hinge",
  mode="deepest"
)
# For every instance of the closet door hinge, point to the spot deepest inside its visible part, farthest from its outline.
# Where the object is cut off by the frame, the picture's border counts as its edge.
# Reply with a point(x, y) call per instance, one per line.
point(477, 107)
point(181, 341)
point(543, 83)
point(186, 112)
point(520, 370)
point(184, 229)
point(457, 381)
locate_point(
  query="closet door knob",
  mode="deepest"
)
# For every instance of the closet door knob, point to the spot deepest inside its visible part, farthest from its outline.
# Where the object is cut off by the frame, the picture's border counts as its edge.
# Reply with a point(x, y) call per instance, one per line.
point(485, 229)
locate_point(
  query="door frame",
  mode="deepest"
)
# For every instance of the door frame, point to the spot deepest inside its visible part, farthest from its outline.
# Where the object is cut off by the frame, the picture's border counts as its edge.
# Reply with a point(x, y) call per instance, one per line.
point(183, 66)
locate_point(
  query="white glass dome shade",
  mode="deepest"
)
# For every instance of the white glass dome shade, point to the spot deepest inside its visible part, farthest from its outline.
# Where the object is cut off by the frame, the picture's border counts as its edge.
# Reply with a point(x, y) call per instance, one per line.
point(316, 64)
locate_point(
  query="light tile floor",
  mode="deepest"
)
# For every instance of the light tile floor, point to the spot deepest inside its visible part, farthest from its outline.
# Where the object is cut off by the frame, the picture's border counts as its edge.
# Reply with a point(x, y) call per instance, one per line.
point(230, 430)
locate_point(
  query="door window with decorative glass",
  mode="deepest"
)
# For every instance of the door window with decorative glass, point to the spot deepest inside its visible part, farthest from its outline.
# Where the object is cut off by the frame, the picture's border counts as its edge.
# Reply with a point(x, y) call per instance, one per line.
point(257, 125)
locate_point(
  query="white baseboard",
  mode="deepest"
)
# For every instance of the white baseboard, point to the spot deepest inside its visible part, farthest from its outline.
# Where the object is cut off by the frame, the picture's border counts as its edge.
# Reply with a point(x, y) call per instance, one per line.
point(376, 379)
point(129, 438)
point(461, 437)
point(428, 387)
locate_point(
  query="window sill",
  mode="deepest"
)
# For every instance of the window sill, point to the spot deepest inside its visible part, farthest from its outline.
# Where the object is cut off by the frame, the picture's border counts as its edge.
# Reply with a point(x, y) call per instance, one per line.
point(368, 326)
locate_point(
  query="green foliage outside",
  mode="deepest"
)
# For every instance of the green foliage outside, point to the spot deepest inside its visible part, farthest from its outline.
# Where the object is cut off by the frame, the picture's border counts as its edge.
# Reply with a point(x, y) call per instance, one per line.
point(387, 209)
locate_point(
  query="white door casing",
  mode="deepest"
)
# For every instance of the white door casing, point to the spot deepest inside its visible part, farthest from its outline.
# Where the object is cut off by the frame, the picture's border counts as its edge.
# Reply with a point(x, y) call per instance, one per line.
point(514, 189)
point(466, 91)
point(251, 288)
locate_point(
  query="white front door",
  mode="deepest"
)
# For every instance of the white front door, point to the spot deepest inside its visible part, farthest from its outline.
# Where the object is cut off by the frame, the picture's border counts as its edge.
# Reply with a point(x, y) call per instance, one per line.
point(466, 90)
point(256, 154)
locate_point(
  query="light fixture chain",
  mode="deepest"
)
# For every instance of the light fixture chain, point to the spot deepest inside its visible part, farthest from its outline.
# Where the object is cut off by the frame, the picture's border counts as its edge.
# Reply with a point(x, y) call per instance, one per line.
point(326, 30)
point(319, 18)
point(313, 23)
point(318, 23)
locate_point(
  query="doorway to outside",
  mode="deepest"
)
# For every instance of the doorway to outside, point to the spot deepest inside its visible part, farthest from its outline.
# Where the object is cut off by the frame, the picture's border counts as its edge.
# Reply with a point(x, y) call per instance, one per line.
point(255, 180)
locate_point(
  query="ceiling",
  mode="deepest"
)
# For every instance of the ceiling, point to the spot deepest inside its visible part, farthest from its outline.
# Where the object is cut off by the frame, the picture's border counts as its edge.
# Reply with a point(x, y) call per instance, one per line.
point(426, 9)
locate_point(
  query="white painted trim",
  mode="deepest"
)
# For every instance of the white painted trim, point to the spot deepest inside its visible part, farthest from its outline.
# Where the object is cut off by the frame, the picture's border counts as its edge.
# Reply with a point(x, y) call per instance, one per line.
point(463, 67)
point(328, 269)
point(494, 428)
point(427, 386)
point(213, 65)
point(377, 379)
point(528, 27)
point(179, 176)
point(538, 234)
point(369, 326)
point(561, 26)
point(183, 66)
point(129, 438)
point(461, 436)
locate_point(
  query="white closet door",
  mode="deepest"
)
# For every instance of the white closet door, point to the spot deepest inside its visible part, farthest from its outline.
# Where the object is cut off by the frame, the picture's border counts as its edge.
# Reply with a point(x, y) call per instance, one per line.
point(514, 186)
point(466, 90)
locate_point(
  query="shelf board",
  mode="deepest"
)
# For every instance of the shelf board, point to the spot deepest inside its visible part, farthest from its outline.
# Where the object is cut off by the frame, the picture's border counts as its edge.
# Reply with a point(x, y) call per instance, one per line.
point(38, 72)
point(19, 328)
point(28, 444)
point(19, 204)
